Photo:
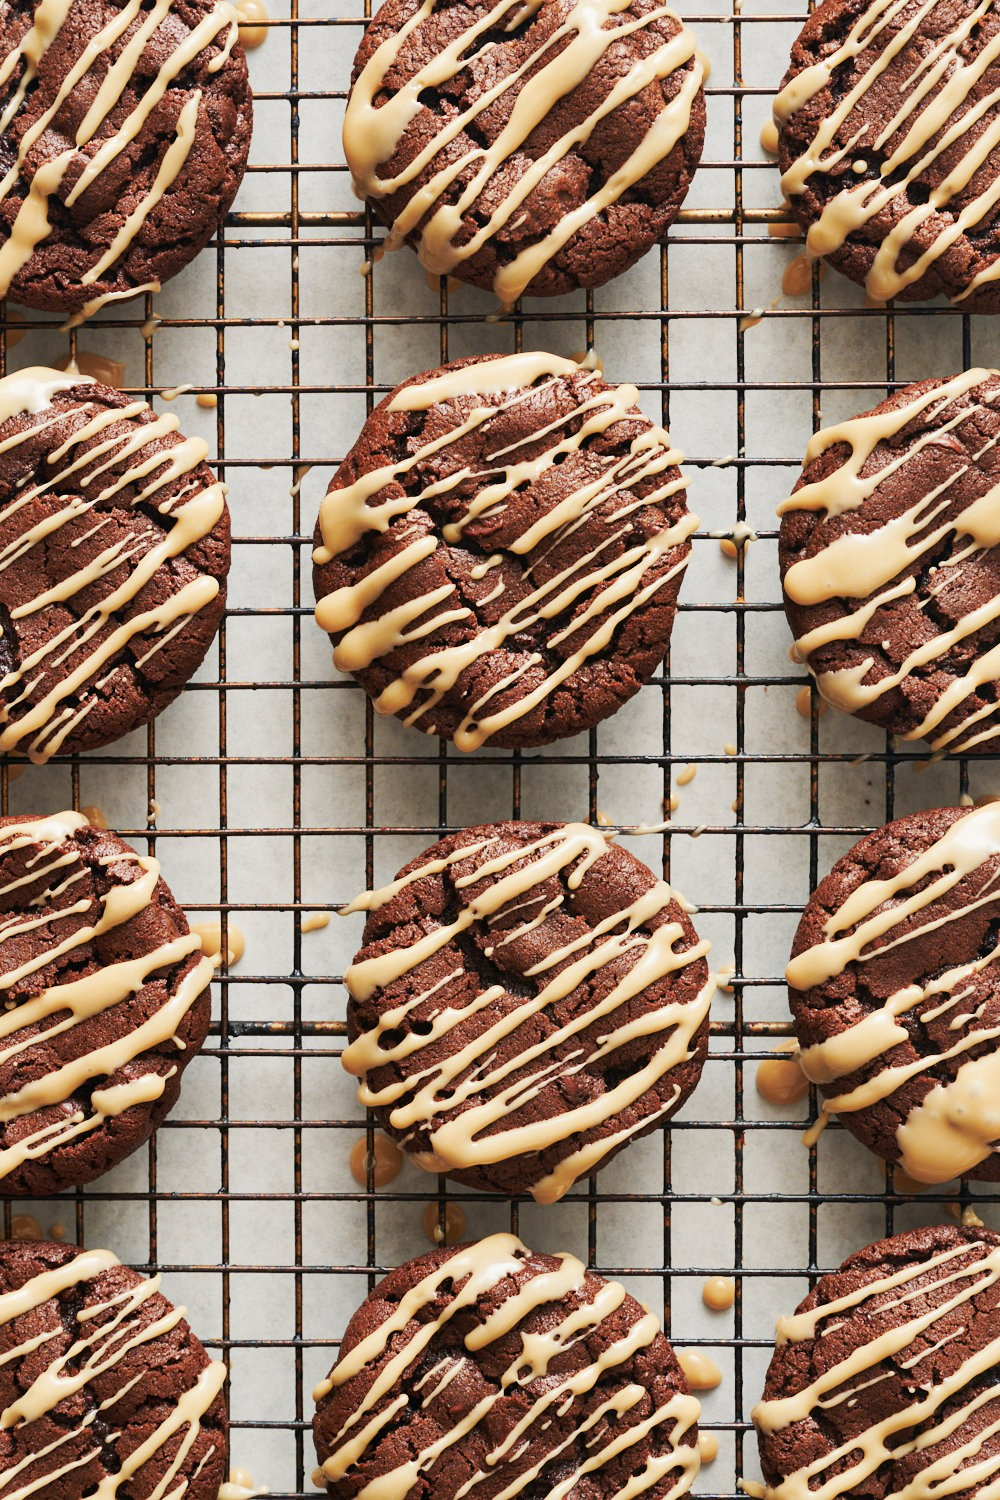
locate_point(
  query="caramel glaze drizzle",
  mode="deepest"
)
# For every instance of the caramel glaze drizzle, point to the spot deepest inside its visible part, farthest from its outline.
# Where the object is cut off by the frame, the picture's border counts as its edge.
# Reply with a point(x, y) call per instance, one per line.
point(529, 1385)
point(956, 1124)
point(943, 134)
point(599, 591)
point(378, 116)
point(107, 1330)
point(457, 1101)
point(48, 693)
point(929, 1426)
point(107, 65)
point(870, 569)
point(29, 1026)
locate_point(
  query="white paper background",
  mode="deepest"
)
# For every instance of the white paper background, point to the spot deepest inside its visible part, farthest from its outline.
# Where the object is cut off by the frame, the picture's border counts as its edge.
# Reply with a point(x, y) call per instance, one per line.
point(755, 393)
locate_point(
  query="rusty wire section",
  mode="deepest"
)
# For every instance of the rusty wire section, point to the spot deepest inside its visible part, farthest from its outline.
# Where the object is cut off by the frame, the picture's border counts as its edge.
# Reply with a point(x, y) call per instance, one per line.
point(272, 791)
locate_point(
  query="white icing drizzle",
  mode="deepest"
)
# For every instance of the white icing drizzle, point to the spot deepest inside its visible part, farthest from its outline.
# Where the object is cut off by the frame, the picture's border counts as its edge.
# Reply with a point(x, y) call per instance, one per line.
point(375, 126)
point(458, 1101)
point(869, 569)
point(476, 1272)
point(945, 126)
point(45, 700)
point(107, 1331)
point(899, 1319)
point(107, 66)
point(956, 1124)
point(59, 1008)
point(602, 589)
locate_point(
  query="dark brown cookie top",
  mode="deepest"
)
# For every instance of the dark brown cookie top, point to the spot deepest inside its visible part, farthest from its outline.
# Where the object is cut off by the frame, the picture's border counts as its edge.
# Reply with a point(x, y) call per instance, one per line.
point(104, 1389)
point(883, 1382)
point(894, 988)
point(890, 561)
point(124, 133)
point(889, 147)
point(114, 551)
point(528, 998)
point(498, 557)
point(527, 1370)
point(535, 148)
point(105, 1001)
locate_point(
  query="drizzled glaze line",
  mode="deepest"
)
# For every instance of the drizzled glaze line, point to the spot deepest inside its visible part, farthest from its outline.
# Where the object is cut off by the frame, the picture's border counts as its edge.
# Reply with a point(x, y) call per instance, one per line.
point(941, 106)
point(61, 1007)
point(615, 587)
point(476, 1272)
point(941, 1405)
point(38, 728)
point(32, 223)
point(108, 1330)
point(872, 566)
point(956, 1124)
point(469, 1093)
point(373, 132)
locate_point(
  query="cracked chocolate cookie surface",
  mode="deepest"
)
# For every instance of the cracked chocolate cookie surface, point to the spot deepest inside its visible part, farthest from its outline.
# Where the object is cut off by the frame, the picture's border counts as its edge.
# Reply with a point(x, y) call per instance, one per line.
point(114, 552)
point(893, 987)
point(889, 145)
point(499, 556)
point(492, 1368)
point(105, 1001)
point(125, 134)
point(890, 563)
point(528, 999)
point(884, 1379)
point(104, 1389)
point(527, 148)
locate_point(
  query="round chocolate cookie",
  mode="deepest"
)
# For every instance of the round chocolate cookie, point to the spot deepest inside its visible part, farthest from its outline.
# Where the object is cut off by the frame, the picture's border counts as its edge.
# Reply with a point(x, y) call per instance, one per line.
point(114, 551)
point(890, 561)
point(105, 1001)
point(895, 989)
point(884, 1381)
point(491, 1369)
point(104, 1389)
point(526, 148)
point(124, 133)
point(529, 997)
point(499, 555)
point(889, 144)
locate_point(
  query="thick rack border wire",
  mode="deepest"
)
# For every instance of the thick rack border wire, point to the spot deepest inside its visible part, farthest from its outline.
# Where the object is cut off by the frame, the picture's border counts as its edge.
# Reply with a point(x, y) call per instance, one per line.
point(741, 184)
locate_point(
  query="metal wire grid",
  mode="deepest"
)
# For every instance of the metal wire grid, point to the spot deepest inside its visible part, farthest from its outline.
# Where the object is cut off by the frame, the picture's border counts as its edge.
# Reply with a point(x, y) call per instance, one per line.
point(292, 1243)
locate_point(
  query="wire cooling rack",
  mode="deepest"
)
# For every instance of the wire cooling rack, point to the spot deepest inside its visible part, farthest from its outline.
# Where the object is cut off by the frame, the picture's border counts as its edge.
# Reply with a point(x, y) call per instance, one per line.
point(270, 790)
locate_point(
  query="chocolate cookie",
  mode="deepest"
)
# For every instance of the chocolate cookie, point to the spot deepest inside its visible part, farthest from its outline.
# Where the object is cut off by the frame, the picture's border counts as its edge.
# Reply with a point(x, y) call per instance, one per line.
point(889, 144)
point(498, 557)
point(104, 1389)
point(114, 551)
point(525, 148)
point(895, 989)
point(490, 1369)
point(124, 133)
point(529, 998)
point(105, 1001)
point(890, 560)
point(884, 1381)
